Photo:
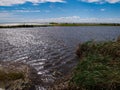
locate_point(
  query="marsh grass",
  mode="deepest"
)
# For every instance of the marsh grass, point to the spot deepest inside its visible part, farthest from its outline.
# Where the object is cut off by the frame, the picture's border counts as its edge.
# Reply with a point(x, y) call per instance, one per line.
point(99, 66)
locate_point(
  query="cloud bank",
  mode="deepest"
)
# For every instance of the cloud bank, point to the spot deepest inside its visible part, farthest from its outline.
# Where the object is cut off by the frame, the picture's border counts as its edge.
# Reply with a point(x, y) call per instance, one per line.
point(10, 17)
point(35, 2)
point(78, 19)
point(101, 1)
point(13, 2)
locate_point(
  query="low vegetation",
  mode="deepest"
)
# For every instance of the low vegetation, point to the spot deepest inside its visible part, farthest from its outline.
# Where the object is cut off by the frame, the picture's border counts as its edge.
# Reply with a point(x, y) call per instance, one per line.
point(99, 66)
point(9, 76)
point(17, 76)
point(84, 24)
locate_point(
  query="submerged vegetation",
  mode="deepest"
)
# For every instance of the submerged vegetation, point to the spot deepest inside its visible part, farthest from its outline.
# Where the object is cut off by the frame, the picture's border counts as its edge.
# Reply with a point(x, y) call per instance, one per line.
point(99, 66)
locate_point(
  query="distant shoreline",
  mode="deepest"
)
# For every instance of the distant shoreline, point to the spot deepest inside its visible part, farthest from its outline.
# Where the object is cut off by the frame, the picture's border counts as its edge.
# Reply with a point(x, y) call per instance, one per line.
point(21, 26)
point(85, 24)
point(57, 24)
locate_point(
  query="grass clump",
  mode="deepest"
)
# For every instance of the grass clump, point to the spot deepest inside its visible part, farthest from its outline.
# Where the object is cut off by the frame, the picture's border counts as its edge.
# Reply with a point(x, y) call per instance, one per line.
point(10, 76)
point(99, 66)
point(17, 76)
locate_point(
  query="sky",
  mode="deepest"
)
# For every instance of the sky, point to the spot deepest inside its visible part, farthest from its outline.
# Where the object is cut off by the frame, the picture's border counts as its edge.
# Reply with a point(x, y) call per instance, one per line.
point(75, 11)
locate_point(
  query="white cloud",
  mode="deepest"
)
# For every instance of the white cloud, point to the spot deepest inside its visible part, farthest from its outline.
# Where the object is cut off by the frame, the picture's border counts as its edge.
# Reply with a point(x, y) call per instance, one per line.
point(101, 1)
point(19, 11)
point(112, 1)
point(90, 1)
point(11, 17)
point(12, 2)
point(25, 11)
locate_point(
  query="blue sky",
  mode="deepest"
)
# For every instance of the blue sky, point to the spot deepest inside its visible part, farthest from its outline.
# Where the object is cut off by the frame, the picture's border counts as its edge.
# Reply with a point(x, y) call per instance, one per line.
point(60, 11)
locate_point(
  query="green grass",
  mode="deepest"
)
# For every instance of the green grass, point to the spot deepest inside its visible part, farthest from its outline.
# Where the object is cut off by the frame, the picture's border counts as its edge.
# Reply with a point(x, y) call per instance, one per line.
point(99, 66)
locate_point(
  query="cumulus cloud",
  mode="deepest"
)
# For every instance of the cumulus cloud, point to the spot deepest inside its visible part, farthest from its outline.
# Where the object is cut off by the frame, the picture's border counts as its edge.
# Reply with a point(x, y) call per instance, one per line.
point(101, 1)
point(90, 1)
point(13, 2)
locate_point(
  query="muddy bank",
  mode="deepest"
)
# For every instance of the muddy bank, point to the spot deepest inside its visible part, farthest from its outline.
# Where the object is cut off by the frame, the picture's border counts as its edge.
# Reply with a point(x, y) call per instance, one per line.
point(18, 76)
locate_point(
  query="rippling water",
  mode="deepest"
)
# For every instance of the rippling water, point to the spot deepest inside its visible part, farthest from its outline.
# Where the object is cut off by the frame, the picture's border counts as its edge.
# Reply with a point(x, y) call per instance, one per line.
point(50, 49)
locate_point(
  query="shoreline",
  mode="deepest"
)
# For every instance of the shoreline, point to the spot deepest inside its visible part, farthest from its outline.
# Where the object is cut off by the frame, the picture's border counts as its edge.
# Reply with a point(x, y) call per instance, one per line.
point(56, 24)
point(17, 76)
point(98, 67)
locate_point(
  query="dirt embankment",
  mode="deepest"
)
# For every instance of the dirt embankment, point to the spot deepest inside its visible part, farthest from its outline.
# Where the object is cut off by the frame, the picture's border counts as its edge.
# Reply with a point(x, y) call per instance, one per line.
point(17, 76)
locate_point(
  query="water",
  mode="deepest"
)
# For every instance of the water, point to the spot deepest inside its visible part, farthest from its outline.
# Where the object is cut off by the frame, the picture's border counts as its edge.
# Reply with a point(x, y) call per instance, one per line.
point(50, 49)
